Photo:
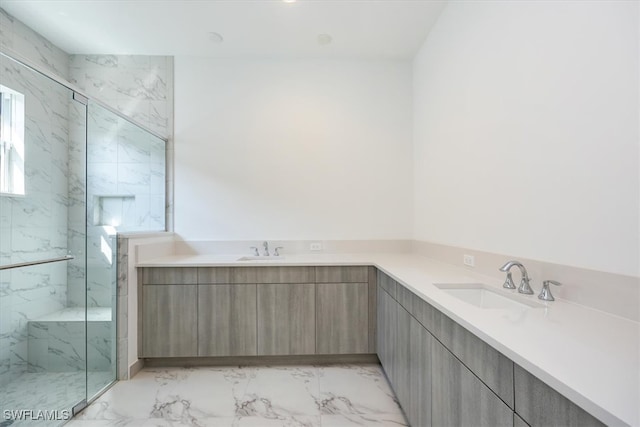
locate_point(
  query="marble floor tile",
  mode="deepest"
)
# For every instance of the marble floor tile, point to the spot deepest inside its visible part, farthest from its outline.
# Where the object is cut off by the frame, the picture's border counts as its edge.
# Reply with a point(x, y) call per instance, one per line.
point(281, 392)
point(47, 391)
point(357, 420)
point(286, 396)
point(356, 389)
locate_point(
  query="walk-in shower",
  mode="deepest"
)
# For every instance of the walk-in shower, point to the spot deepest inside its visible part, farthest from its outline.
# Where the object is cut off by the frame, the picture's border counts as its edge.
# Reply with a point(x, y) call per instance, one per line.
point(72, 175)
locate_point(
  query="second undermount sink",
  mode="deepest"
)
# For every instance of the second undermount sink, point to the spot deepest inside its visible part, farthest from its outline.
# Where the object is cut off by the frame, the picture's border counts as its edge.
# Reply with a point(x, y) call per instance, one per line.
point(261, 258)
point(488, 297)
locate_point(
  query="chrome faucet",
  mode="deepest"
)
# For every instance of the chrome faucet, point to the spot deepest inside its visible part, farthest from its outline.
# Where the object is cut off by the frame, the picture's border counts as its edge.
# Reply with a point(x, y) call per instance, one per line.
point(265, 244)
point(255, 250)
point(524, 287)
point(277, 251)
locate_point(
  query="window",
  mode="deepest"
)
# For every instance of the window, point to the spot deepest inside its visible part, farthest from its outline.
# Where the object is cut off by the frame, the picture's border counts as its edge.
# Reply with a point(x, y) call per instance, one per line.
point(11, 141)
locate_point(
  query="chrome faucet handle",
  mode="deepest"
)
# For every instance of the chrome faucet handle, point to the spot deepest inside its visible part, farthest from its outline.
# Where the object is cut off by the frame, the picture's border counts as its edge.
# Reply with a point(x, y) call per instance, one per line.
point(524, 287)
point(545, 294)
point(508, 283)
point(277, 251)
point(265, 244)
point(255, 250)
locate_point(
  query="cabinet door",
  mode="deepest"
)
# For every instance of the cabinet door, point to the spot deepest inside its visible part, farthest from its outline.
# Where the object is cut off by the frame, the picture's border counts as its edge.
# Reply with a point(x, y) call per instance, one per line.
point(418, 405)
point(387, 324)
point(401, 373)
point(169, 320)
point(540, 405)
point(412, 368)
point(459, 398)
point(342, 320)
point(286, 319)
point(227, 320)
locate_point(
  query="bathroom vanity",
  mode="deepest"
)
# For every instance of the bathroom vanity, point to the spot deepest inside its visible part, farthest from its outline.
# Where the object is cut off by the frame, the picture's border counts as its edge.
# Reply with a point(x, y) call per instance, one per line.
point(449, 362)
point(257, 311)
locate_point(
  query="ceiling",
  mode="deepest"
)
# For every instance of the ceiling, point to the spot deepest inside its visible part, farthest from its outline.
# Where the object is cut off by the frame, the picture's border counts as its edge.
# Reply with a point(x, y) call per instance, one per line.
point(257, 28)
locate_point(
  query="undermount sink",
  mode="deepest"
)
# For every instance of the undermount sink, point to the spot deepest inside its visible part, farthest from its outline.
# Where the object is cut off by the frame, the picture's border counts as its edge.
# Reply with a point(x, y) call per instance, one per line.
point(261, 258)
point(488, 297)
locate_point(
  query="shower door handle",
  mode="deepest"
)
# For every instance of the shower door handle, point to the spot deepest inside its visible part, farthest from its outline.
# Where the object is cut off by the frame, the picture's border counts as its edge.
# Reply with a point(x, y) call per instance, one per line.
point(42, 261)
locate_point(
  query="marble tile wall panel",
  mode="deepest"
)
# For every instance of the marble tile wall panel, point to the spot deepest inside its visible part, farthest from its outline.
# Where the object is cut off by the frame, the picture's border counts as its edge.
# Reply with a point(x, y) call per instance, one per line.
point(141, 87)
point(100, 351)
point(28, 43)
point(34, 226)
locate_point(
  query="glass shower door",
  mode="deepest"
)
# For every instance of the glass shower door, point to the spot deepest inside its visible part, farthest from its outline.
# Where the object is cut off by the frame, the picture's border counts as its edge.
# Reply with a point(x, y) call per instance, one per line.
point(43, 332)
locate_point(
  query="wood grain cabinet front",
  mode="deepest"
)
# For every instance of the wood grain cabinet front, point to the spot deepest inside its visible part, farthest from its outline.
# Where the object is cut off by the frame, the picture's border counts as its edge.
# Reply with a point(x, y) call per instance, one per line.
point(387, 321)
point(459, 398)
point(169, 321)
point(540, 405)
point(342, 318)
point(227, 320)
point(286, 318)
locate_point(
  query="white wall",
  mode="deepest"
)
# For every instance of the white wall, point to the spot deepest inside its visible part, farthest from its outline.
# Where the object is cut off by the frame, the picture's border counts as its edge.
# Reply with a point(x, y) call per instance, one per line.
point(526, 131)
point(292, 149)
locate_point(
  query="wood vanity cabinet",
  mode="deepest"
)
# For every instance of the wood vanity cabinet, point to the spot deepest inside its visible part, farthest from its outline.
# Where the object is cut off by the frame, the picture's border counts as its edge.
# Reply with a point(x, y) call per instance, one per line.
point(168, 306)
point(264, 311)
point(444, 375)
point(433, 386)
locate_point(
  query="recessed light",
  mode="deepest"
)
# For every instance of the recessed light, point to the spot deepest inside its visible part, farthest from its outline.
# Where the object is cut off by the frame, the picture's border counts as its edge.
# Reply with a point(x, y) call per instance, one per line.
point(289, 1)
point(215, 37)
point(324, 39)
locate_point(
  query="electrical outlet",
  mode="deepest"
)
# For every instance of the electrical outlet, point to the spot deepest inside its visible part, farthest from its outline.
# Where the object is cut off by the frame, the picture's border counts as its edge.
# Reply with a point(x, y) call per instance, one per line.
point(316, 246)
point(469, 260)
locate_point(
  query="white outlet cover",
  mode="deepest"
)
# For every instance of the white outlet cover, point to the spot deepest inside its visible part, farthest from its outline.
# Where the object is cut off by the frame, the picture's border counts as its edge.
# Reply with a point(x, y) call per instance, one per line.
point(469, 260)
point(316, 246)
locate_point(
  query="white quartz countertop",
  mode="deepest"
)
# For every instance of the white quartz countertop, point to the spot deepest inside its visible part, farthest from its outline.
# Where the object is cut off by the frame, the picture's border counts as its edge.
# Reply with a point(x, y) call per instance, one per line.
point(589, 356)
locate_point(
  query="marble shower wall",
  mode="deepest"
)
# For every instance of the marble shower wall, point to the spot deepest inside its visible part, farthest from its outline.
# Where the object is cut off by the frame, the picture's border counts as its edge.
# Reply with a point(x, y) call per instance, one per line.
point(35, 226)
point(141, 87)
point(16, 36)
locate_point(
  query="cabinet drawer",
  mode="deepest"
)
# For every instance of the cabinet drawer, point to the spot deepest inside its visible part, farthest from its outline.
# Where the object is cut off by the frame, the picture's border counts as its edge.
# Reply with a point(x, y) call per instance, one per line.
point(169, 276)
point(387, 283)
point(253, 275)
point(540, 405)
point(342, 274)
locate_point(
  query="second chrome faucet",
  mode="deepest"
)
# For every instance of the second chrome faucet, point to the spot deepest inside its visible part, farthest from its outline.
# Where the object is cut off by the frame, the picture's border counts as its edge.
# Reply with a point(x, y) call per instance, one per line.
point(524, 287)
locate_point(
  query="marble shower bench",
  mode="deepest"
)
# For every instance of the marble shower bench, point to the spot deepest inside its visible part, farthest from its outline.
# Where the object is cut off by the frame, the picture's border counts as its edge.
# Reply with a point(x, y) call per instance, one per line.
point(57, 340)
